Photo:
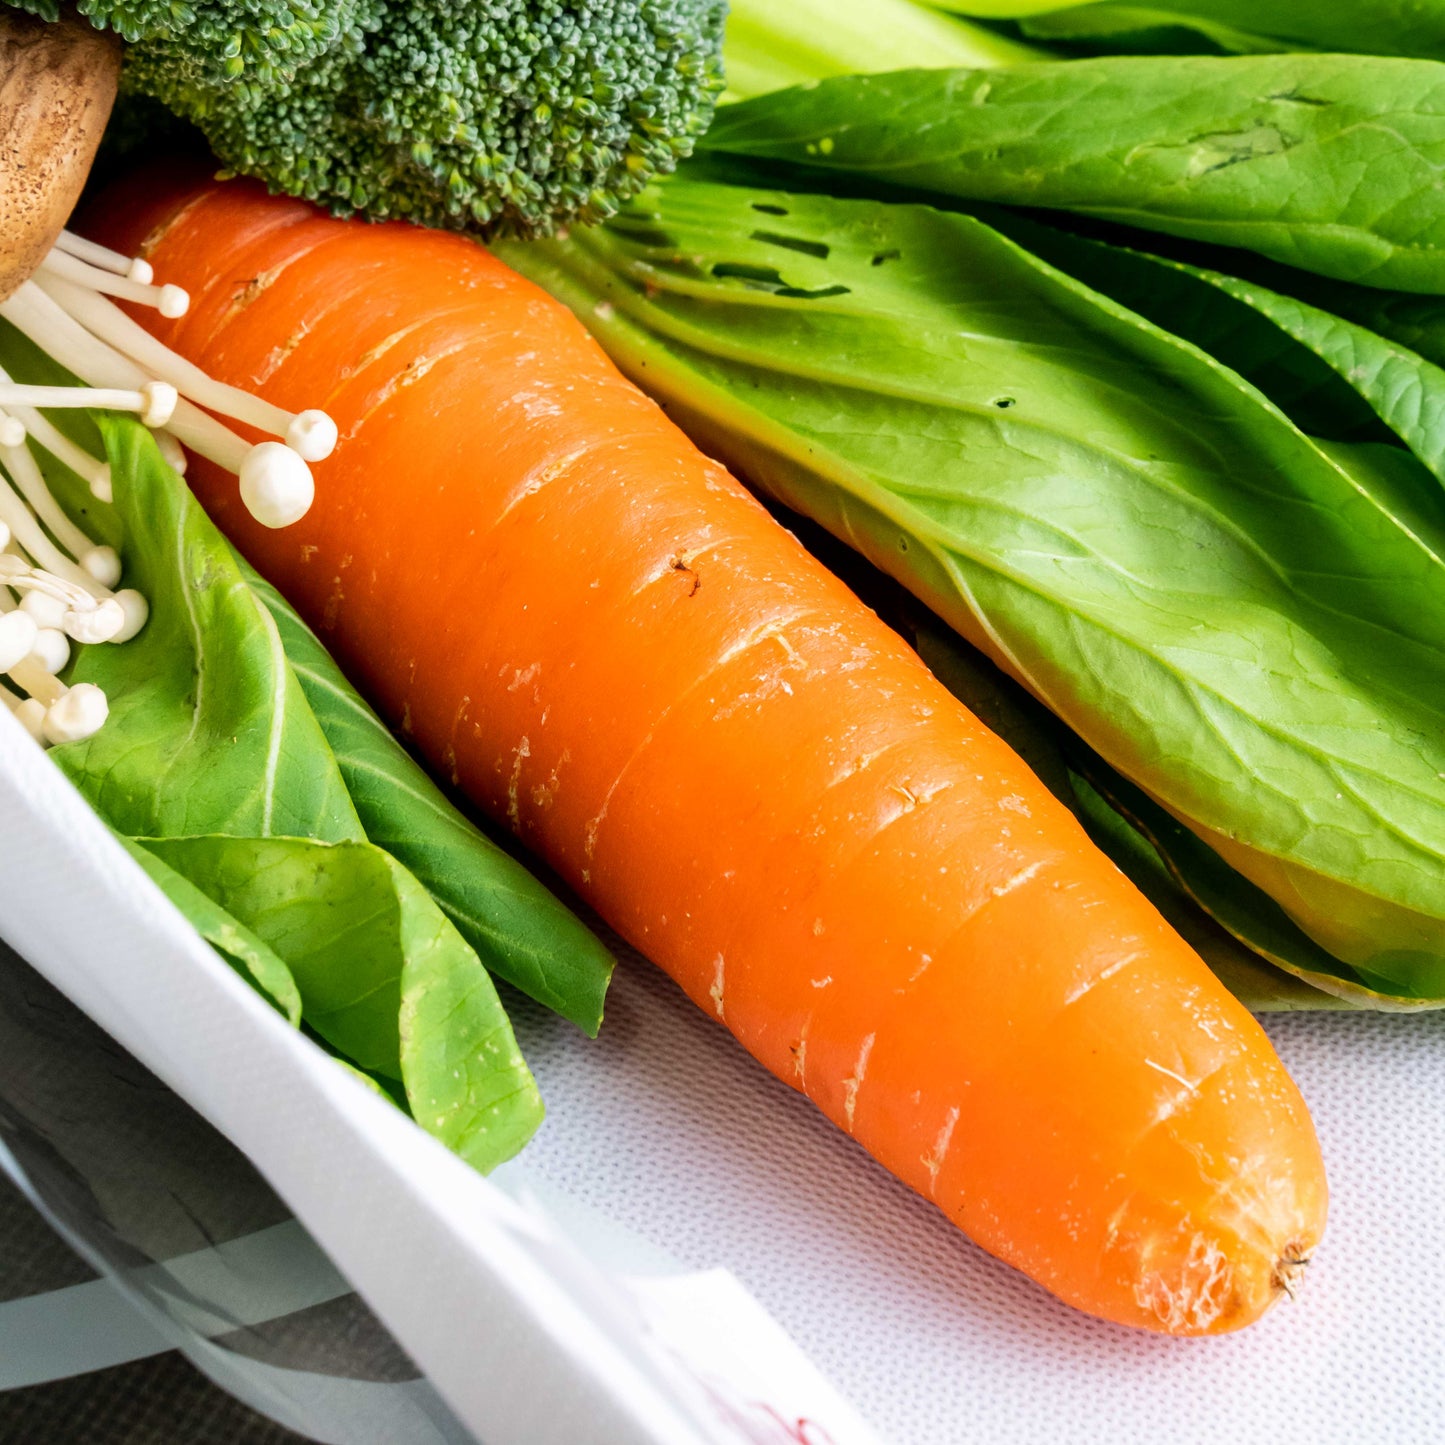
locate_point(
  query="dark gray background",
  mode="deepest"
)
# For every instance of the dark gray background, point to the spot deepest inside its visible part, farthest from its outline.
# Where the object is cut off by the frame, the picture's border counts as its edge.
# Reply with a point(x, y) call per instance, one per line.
point(160, 1401)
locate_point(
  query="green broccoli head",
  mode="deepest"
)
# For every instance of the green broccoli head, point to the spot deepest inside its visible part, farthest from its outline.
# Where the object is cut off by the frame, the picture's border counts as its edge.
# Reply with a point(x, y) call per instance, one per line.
point(214, 41)
point(512, 116)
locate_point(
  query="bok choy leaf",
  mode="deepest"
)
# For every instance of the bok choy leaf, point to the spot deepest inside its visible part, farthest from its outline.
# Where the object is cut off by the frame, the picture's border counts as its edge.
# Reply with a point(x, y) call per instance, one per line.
point(1231, 618)
point(1331, 375)
point(1382, 27)
point(209, 731)
point(1326, 162)
point(226, 934)
point(384, 978)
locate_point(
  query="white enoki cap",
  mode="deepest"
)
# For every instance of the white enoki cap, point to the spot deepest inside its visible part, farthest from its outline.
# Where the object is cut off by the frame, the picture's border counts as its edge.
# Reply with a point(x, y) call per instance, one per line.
point(47, 611)
point(101, 623)
point(160, 403)
point(50, 650)
point(312, 435)
point(135, 610)
point(276, 485)
point(76, 715)
point(86, 614)
point(103, 563)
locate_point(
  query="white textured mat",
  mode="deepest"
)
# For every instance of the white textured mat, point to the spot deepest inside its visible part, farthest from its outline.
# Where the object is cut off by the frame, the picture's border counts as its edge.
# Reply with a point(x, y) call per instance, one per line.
point(668, 1128)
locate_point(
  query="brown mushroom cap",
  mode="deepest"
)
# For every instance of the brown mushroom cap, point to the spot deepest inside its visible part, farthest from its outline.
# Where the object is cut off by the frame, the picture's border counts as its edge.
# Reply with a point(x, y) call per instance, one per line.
point(57, 86)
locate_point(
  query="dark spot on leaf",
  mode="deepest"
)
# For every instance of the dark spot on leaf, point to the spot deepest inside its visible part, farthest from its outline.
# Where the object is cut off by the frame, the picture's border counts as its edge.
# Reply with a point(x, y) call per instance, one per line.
point(1219, 150)
point(1293, 97)
point(903, 544)
point(820, 294)
point(770, 210)
point(793, 243)
point(766, 278)
point(736, 271)
point(883, 256)
point(643, 235)
point(1004, 402)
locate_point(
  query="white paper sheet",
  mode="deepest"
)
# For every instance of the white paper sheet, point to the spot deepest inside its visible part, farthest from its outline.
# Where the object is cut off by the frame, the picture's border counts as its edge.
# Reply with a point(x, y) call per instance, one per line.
point(665, 1147)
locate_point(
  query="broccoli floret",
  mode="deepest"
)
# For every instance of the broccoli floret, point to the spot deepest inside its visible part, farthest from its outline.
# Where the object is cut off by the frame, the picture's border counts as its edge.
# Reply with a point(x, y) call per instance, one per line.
point(509, 116)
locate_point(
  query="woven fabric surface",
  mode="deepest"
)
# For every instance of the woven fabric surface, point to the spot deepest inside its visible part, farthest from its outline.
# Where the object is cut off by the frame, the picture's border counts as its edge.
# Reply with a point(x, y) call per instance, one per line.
point(666, 1126)
point(160, 1401)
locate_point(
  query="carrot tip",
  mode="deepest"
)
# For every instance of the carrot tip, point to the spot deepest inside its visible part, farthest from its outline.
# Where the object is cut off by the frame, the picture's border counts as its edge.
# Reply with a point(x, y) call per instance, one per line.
point(1289, 1272)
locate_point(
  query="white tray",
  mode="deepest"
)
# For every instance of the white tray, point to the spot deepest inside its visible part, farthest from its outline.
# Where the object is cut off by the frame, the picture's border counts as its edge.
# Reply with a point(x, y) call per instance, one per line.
point(667, 1150)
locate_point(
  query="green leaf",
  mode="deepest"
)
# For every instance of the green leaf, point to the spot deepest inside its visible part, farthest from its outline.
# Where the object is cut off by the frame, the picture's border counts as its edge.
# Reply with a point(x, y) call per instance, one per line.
point(1198, 914)
point(1327, 162)
point(208, 730)
point(1416, 327)
point(1217, 607)
point(1328, 373)
point(1414, 321)
point(384, 978)
point(1381, 27)
point(1117, 814)
point(1331, 375)
point(1401, 483)
point(231, 939)
point(521, 930)
point(1142, 30)
point(1238, 330)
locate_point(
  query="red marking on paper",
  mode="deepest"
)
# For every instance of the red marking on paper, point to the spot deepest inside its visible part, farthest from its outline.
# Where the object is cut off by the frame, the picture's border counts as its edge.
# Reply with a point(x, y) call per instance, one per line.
point(760, 1423)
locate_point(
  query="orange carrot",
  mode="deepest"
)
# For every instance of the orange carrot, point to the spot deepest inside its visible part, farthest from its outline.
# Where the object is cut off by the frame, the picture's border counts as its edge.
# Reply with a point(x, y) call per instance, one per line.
point(600, 636)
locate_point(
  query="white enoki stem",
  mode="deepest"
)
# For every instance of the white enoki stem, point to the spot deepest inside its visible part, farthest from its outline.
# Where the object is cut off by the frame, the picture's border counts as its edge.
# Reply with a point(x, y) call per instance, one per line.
point(94, 471)
point(276, 483)
point(173, 452)
point(30, 536)
point(154, 402)
point(105, 258)
point(170, 301)
point(29, 713)
point(26, 475)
